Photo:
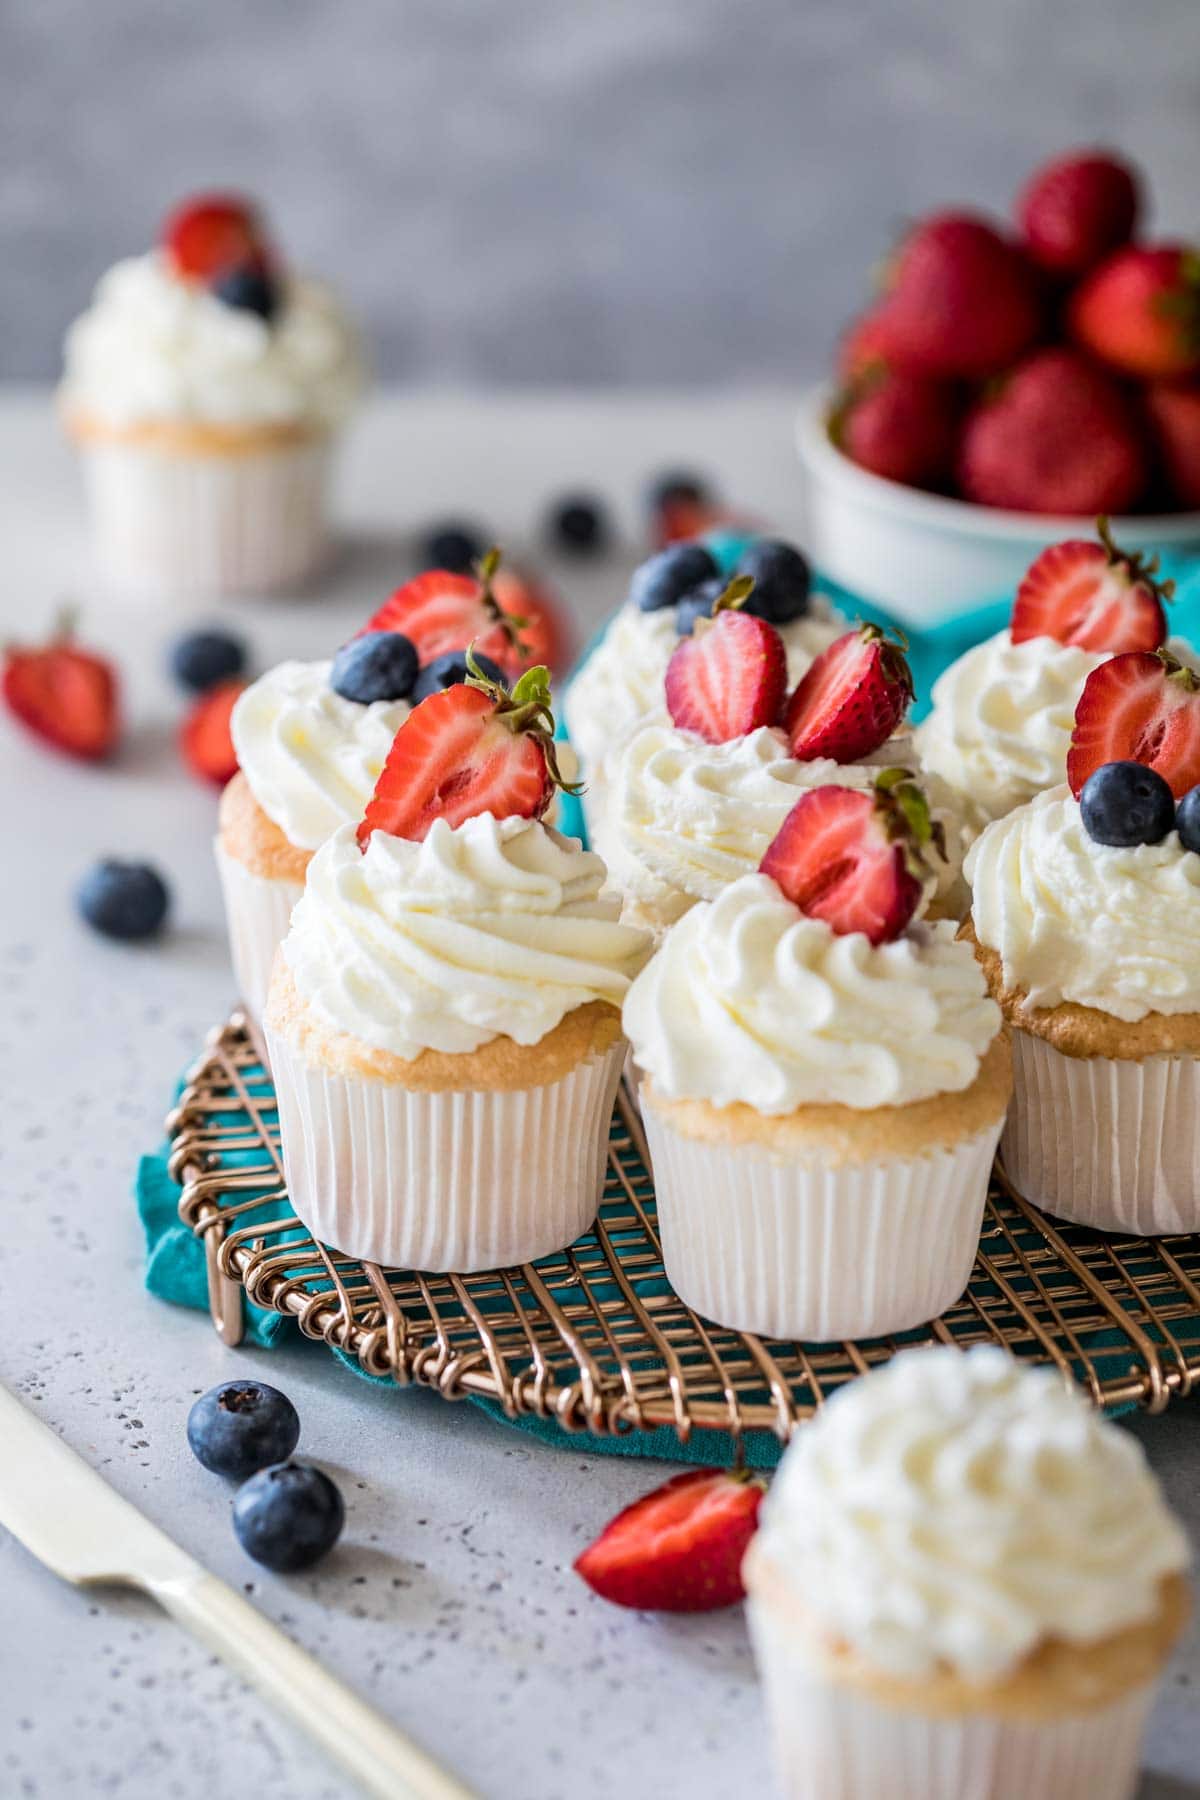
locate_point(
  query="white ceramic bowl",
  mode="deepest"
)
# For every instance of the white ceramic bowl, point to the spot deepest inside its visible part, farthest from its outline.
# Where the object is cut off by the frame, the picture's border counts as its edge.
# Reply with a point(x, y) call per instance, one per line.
point(925, 558)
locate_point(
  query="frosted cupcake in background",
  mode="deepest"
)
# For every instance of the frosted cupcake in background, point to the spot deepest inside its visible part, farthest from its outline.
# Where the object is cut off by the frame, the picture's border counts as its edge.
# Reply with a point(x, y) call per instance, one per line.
point(444, 1016)
point(823, 1082)
point(965, 1582)
point(312, 739)
point(620, 685)
point(1003, 713)
point(1086, 919)
point(204, 388)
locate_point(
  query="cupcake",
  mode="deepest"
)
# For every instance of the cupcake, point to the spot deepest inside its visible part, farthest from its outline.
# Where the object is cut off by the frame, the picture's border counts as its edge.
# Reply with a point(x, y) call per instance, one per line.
point(693, 804)
point(312, 739)
point(620, 685)
point(965, 1582)
point(204, 387)
point(1002, 715)
point(1086, 919)
point(444, 1015)
point(823, 1082)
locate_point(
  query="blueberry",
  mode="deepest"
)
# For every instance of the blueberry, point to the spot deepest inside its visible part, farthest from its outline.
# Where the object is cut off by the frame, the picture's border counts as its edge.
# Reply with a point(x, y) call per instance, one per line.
point(250, 288)
point(199, 659)
point(123, 900)
point(288, 1516)
point(1126, 803)
point(445, 671)
point(452, 545)
point(241, 1426)
point(678, 487)
point(698, 604)
point(579, 524)
point(379, 665)
point(1187, 819)
point(782, 580)
point(670, 575)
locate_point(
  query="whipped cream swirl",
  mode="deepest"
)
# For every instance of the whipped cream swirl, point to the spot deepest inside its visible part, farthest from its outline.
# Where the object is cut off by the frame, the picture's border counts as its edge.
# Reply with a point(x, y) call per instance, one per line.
point(749, 1000)
point(952, 1511)
point(155, 348)
point(491, 928)
point(311, 758)
point(1114, 928)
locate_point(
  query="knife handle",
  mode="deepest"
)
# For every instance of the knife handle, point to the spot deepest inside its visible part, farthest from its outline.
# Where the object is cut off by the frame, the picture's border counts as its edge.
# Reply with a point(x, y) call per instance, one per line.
point(379, 1757)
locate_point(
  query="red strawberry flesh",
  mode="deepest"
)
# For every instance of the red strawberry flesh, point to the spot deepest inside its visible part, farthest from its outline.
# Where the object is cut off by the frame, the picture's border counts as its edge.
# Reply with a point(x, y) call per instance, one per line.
point(851, 699)
point(833, 857)
point(1090, 595)
point(454, 758)
point(65, 694)
point(728, 678)
point(1142, 707)
point(440, 612)
point(678, 1549)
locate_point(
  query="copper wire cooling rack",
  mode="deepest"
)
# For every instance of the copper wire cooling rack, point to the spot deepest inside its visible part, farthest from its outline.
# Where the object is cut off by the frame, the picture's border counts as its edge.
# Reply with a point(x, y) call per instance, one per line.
point(595, 1339)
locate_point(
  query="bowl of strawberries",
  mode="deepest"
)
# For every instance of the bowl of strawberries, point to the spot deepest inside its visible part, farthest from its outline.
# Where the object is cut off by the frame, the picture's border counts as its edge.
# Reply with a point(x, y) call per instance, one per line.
point(1008, 384)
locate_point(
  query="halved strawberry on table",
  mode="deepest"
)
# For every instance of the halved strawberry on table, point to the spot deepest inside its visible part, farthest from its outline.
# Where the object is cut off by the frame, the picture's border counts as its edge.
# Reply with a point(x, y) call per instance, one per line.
point(472, 748)
point(851, 699)
point(440, 612)
point(1093, 595)
point(1141, 707)
point(67, 695)
point(206, 735)
point(730, 676)
point(856, 860)
point(679, 1548)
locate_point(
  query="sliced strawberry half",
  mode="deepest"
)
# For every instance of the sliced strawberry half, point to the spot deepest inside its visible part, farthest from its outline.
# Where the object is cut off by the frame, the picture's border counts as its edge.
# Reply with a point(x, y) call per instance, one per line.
point(852, 698)
point(211, 233)
point(730, 676)
point(67, 695)
point(206, 735)
point(1092, 595)
point(1142, 707)
point(472, 748)
point(680, 1548)
point(440, 612)
point(856, 860)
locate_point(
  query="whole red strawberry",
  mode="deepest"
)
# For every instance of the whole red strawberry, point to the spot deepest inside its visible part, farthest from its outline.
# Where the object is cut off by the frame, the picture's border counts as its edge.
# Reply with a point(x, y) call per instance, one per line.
point(1058, 435)
point(680, 1548)
point(1094, 595)
point(1142, 707)
point(1173, 408)
point(440, 612)
point(469, 749)
point(855, 860)
point(1076, 209)
point(67, 695)
point(206, 736)
point(901, 426)
point(1140, 311)
point(211, 233)
point(851, 699)
point(961, 300)
point(730, 676)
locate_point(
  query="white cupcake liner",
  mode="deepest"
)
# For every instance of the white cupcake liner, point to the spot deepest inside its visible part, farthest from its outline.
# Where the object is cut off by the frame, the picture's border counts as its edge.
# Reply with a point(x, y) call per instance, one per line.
point(258, 910)
point(832, 1741)
point(1105, 1142)
point(173, 523)
point(793, 1248)
point(470, 1179)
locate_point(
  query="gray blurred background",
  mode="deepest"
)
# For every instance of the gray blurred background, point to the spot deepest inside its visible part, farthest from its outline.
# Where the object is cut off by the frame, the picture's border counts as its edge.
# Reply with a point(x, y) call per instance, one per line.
point(536, 191)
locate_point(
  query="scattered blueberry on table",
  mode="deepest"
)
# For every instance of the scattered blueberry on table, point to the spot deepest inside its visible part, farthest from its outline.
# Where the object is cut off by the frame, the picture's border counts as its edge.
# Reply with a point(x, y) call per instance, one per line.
point(446, 671)
point(124, 900)
point(579, 525)
point(288, 1516)
point(377, 665)
point(453, 544)
point(239, 1427)
point(1126, 803)
point(199, 659)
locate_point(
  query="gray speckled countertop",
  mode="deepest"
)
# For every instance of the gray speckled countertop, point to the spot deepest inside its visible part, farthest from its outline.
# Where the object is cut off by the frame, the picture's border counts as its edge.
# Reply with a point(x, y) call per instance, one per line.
point(450, 1603)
